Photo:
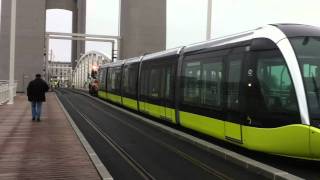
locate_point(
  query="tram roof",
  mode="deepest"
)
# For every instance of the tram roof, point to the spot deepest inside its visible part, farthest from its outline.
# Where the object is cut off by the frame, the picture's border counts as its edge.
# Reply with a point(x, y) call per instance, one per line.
point(162, 54)
point(295, 30)
point(290, 30)
point(113, 64)
point(132, 60)
point(247, 35)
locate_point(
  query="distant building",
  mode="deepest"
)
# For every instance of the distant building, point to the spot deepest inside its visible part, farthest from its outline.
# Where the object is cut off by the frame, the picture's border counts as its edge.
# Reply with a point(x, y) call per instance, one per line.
point(60, 73)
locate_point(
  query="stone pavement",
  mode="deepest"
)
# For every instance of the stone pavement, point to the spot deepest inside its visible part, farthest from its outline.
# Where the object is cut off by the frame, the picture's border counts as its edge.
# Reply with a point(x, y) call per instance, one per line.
point(40, 150)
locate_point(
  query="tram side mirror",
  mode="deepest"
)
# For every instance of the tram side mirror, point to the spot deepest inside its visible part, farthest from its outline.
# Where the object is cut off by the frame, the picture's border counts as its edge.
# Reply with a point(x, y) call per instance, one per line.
point(262, 44)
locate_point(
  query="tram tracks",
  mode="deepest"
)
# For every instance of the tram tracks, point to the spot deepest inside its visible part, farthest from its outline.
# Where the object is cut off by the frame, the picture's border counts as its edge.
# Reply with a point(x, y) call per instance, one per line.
point(139, 168)
point(130, 160)
point(182, 154)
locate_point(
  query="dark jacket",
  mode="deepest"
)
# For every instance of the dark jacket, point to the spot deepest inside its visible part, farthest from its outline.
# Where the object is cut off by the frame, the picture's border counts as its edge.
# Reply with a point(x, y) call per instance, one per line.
point(36, 90)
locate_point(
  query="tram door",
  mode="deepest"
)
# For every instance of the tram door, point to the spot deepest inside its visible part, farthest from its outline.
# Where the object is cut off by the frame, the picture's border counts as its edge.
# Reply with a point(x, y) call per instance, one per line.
point(234, 119)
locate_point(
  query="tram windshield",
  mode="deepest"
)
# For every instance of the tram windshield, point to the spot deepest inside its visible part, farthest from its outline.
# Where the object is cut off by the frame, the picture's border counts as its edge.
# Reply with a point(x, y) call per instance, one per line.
point(307, 50)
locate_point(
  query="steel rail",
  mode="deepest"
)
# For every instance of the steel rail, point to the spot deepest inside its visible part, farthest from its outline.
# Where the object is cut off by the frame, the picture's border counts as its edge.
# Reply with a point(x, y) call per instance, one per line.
point(182, 154)
point(130, 160)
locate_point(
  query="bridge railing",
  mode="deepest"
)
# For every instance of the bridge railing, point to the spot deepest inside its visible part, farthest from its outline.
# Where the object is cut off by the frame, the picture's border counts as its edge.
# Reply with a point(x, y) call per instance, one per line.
point(4, 91)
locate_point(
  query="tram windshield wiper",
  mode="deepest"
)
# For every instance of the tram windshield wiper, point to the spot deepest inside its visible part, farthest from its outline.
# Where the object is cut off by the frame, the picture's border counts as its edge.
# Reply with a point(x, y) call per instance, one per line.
point(305, 41)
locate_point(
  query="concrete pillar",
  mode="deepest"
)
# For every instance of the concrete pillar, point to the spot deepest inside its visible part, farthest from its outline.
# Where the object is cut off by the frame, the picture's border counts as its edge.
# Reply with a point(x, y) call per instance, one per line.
point(81, 15)
point(4, 39)
point(30, 30)
point(30, 36)
point(142, 27)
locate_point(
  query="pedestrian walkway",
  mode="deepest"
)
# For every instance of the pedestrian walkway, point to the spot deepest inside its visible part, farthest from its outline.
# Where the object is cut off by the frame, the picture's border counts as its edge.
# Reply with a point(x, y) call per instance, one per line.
point(41, 150)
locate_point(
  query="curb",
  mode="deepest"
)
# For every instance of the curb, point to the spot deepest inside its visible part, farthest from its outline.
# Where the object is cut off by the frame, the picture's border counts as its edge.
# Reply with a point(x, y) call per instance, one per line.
point(233, 157)
point(102, 170)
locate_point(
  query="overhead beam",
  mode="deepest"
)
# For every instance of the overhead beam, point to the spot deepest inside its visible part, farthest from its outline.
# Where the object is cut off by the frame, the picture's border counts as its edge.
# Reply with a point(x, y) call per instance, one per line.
point(83, 35)
point(81, 39)
point(77, 37)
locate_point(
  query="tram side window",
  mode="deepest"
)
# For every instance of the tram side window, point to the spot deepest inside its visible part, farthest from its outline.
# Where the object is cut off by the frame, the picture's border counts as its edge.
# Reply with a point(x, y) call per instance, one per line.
point(105, 73)
point(129, 80)
point(114, 78)
point(125, 80)
point(102, 79)
point(169, 83)
point(109, 80)
point(145, 73)
point(311, 75)
point(202, 82)
point(211, 84)
point(133, 75)
point(233, 84)
point(154, 82)
point(117, 79)
point(192, 82)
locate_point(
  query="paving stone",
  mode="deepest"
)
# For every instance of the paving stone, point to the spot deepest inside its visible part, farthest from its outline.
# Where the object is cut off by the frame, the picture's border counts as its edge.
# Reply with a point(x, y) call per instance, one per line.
point(40, 150)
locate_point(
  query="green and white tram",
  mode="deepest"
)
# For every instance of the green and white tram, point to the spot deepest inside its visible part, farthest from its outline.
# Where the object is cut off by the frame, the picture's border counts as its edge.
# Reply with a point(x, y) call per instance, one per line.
point(259, 89)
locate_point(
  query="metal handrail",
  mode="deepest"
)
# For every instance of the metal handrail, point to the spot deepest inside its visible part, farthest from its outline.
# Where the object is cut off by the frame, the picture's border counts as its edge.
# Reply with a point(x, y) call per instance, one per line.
point(4, 91)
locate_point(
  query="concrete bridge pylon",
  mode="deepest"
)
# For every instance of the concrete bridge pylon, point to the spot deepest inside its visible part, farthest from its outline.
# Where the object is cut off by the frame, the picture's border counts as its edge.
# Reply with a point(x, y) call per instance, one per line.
point(142, 29)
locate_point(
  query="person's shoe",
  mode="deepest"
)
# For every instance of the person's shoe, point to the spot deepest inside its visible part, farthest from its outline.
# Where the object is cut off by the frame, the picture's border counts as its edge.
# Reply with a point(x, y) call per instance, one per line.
point(33, 119)
point(38, 119)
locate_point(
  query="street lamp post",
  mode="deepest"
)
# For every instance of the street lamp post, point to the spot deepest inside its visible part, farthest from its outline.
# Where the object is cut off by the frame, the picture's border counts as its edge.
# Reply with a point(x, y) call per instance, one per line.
point(12, 50)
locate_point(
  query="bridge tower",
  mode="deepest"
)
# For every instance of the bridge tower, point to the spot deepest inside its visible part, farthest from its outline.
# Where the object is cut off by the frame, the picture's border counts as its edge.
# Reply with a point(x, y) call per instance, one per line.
point(30, 35)
point(142, 29)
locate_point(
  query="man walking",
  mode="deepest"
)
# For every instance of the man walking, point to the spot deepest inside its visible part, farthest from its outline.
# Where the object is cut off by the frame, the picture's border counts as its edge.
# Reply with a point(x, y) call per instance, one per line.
point(36, 95)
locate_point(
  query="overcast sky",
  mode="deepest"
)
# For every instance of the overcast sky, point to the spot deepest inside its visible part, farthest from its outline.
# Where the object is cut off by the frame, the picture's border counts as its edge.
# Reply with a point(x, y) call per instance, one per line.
point(186, 19)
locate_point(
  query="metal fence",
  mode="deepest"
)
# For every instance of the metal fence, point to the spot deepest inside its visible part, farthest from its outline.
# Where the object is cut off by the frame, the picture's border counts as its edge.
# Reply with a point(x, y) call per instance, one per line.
point(4, 91)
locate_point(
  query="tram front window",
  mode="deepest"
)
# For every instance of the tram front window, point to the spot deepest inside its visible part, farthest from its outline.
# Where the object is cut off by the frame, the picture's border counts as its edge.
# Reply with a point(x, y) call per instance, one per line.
point(307, 50)
point(272, 101)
